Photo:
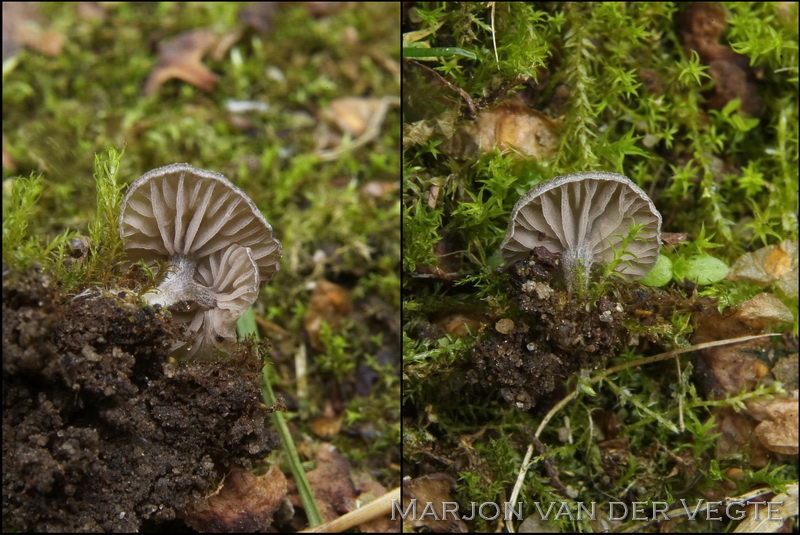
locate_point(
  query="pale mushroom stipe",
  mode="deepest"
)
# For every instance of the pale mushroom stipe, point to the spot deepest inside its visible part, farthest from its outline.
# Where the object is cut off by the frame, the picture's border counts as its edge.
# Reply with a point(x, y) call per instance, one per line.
point(585, 217)
point(218, 247)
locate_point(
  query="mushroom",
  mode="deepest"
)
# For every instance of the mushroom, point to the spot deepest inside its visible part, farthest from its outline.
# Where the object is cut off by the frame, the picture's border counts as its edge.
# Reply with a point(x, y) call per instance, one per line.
point(218, 247)
point(585, 217)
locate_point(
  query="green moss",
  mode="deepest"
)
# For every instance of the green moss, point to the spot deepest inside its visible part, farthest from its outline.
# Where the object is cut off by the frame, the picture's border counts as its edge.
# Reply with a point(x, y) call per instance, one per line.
point(630, 100)
point(61, 111)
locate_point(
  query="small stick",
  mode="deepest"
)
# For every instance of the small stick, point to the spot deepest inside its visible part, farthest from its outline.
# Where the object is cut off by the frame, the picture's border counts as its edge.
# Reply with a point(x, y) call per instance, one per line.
point(374, 509)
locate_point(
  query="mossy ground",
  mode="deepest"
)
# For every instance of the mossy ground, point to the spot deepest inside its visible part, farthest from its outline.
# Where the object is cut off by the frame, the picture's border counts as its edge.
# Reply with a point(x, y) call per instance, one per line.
point(628, 97)
point(63, 111)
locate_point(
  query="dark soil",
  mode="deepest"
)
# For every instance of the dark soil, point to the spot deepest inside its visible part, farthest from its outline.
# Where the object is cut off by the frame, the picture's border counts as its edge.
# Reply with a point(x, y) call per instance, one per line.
point(101, 432)
point(552, 335)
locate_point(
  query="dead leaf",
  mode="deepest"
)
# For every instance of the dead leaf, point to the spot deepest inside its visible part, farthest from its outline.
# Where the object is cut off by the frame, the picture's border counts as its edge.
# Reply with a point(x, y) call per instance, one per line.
point(786, 371)
point(329, 424)
point(433, 489)
point(334, 491)
point(376, 189)
point(764, 309)
point(245, 503)
point(731, 368)
point(768, 265)
point(460, 324)
point(419, 132)
point(357, 117)
point(23, 26)
point(506, 127)
point(778, 432)
point(181, 58)
point(328, 304)
point(351, 114)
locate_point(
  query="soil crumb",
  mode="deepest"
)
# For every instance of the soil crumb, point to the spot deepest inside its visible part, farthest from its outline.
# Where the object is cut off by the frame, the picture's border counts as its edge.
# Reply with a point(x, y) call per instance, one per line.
point(100, 431)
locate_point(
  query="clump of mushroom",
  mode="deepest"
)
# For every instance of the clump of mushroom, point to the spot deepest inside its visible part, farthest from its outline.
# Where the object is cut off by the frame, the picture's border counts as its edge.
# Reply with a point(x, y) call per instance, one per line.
point(218, 247)
point(586, 217)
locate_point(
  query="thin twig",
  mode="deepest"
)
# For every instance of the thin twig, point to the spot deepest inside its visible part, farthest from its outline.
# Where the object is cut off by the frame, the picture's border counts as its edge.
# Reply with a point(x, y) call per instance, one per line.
point(473, 111)
point(375, 509)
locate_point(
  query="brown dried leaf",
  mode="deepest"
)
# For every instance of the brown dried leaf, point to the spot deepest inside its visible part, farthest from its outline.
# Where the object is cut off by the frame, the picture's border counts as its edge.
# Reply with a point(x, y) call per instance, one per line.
point(443, 124)
point(771, 264)
point(762, 309)
point(329, 304)
point(730, 368)
point(351, 114)
point(23, 27)
point(460, 324)
point(329, 424)
point(181, 58)
point(507, 126)
point(245, 503)
point(376, 189)
point(432, 489)
point(778, 431)
point(334, 490)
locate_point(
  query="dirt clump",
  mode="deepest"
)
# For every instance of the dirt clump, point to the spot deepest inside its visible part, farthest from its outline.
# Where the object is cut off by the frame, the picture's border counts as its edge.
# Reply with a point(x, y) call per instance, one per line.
point(554, 334)
point(101, 432)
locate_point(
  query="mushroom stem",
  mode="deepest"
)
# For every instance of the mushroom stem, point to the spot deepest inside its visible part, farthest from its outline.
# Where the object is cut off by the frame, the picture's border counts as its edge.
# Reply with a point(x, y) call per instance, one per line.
point(179, 289)
point(574, 262)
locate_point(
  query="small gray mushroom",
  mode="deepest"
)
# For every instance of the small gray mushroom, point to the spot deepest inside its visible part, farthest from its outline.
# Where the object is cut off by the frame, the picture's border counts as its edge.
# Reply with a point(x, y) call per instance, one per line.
point(585, 216)
point(218, 246)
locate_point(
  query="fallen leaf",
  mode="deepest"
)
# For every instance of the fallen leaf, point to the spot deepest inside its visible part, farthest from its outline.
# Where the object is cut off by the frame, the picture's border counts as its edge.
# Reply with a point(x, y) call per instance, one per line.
point(419, 132)
point(181, 58)
point(433, 489)
point(376, 189)
point(351, 114)
point(731, 368)
point(773, 264)
point(333, 488)
point(356, 117)
point(460, 324)
point(23, 26)
point(778, 430)
point(764, 309)
point(245, 503)
point(506, 127)
point(328, 425)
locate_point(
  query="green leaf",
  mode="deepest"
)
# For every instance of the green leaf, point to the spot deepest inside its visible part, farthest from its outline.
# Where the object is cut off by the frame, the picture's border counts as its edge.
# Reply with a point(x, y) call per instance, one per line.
point(660, 274)
point(436, 52)
point(701, 269)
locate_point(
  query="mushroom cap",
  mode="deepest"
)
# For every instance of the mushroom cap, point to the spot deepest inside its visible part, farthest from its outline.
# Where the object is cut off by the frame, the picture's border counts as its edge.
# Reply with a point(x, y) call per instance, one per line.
point(584, 216)
point(232, 275)
point(180, 210)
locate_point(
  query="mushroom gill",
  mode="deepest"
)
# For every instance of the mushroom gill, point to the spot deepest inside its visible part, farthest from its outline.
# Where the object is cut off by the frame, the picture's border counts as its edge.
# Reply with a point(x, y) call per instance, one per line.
point(585, 217)
point(218, 247)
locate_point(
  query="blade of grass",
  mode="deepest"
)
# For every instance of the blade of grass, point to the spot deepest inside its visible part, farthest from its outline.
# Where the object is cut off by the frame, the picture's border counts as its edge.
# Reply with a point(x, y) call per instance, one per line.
point(247, 325)
point(436, 52)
